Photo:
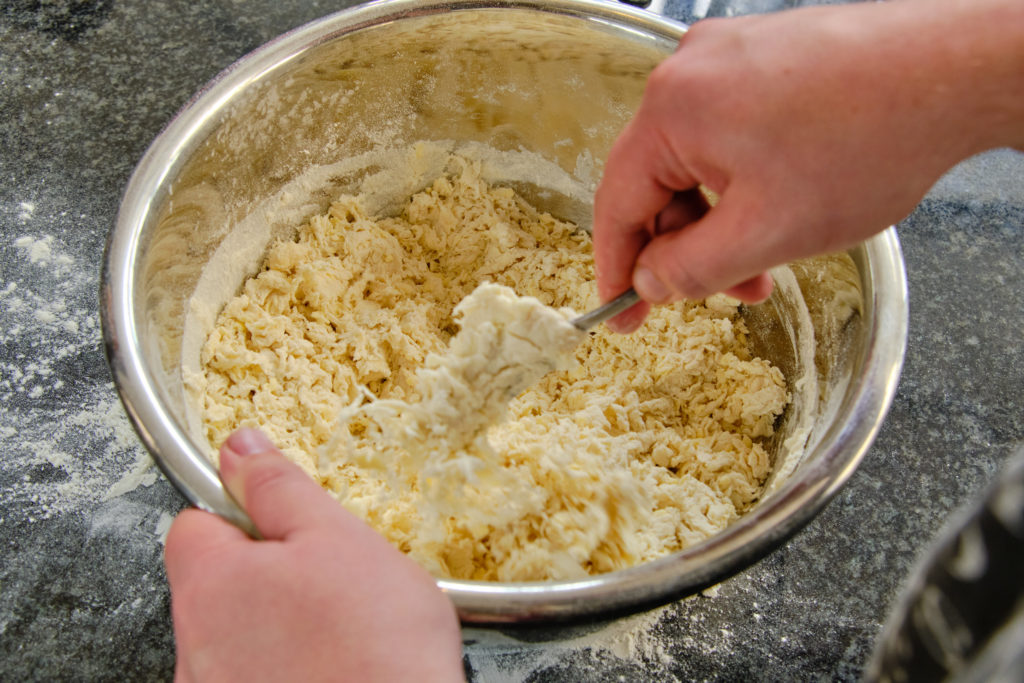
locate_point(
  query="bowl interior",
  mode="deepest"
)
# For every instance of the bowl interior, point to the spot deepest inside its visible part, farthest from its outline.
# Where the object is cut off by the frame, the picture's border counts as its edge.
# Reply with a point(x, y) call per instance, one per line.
point(374, 100)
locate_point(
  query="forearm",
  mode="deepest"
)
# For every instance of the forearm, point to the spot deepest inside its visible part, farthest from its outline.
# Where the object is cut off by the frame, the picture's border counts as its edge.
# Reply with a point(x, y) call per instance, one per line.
point(945, 78)
point(965, 60)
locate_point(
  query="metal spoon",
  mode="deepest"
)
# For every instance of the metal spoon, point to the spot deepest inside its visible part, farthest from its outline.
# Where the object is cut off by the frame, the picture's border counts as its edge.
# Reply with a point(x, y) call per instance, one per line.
point(611, 309)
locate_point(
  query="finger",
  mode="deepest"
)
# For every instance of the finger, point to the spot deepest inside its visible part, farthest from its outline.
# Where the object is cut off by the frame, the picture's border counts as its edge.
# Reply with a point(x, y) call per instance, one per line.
point(753, 291)
point(684, 208)
point(193, 534)
point(630, 319)
point(635, 188)
point(280, 498)
point(727, 248)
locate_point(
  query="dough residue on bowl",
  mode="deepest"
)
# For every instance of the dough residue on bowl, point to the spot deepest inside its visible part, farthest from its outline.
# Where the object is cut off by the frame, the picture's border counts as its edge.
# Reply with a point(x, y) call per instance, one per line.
point(646, 444)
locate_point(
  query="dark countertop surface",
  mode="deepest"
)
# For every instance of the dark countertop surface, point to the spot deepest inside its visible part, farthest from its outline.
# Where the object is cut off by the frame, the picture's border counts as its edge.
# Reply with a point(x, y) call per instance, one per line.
point(86, 84)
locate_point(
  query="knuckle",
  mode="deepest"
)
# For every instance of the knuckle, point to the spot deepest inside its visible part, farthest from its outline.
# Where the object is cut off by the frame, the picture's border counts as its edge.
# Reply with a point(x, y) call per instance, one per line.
point(664, 76)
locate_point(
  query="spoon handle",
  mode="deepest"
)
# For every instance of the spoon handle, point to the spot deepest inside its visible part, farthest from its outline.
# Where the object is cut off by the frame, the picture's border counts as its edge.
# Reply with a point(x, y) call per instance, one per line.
point(609, 310)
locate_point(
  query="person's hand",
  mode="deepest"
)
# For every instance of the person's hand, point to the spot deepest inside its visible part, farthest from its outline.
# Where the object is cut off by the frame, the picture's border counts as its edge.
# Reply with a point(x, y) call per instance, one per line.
point(322, 597)
point(815, 127)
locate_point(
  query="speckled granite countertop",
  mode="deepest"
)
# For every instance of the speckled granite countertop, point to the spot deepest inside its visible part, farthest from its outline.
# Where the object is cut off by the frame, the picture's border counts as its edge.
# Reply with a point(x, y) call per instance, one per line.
point(87, 84)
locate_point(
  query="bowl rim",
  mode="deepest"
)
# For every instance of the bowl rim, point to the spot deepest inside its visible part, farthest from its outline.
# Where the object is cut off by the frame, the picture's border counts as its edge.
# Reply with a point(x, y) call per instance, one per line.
point(745, 541)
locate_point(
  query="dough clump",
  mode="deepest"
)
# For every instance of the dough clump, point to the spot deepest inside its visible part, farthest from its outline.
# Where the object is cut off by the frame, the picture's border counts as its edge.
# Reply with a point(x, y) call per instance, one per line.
point(504, 346)
point(351, 350)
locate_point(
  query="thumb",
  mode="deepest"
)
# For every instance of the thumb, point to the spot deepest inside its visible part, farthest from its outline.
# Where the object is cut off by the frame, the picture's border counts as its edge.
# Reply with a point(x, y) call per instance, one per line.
point(281, 499)
point(724, 251)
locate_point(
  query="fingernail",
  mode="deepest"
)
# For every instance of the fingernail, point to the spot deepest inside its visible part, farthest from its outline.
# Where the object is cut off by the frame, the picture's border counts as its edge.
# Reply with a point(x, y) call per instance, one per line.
point(649, 287)
point(247, 441)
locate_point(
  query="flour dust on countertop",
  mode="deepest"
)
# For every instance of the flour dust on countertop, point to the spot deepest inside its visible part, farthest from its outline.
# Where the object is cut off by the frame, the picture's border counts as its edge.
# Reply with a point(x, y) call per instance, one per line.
point(66, 440)
point(83, 511)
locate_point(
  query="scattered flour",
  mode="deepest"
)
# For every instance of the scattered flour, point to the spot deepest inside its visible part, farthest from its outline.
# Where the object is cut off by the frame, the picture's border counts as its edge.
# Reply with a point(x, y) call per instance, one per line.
point(66, 440)
point(141, 473)
point(496, 657)
point(648, 646)
point(163, 525)
point(26, 210)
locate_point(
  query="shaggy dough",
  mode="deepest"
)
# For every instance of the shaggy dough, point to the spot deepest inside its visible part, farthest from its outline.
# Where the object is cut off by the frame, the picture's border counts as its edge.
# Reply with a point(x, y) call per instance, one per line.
point(647, 444)
point(505, 345)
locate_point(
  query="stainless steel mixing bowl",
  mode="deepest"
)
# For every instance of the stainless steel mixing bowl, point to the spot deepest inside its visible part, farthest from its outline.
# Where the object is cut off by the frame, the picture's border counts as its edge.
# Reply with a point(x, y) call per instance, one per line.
point(549, 82)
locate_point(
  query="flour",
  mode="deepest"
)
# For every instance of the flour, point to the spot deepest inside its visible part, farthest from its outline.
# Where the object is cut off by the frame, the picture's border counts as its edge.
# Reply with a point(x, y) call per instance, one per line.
point(79, 449)
point(648, 646)
point(141, 473)
point(26, 210)
point(498, 657)
point(163, 525)
point(76, 458)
